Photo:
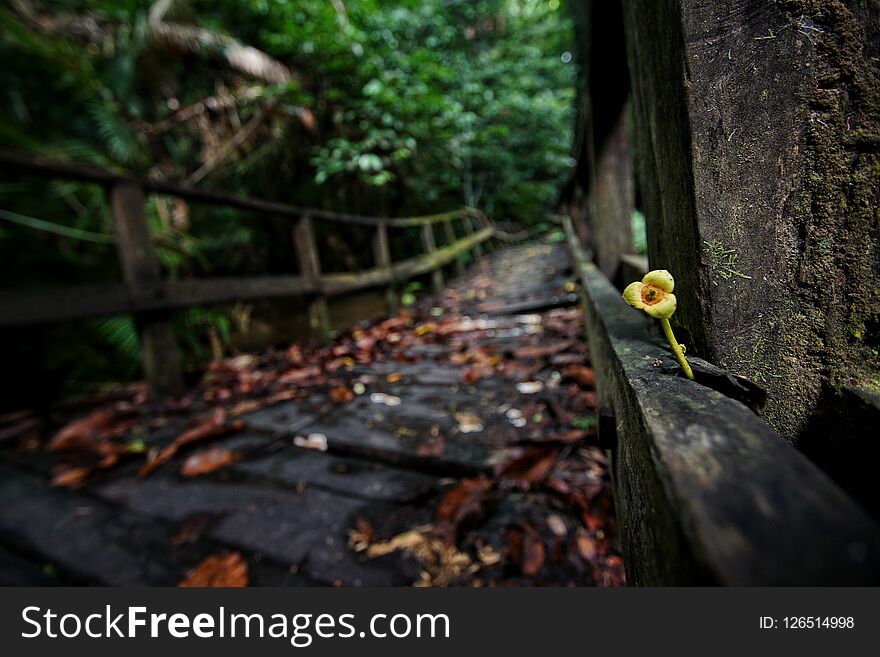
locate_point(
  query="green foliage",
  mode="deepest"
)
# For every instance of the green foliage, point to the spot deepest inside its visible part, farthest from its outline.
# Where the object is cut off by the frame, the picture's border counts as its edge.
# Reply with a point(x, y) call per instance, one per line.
point(392, 108)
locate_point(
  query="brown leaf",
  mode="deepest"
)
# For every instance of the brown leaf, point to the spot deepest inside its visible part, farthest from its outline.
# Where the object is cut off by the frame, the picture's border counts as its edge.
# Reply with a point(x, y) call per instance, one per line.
point(301, 375)
point(91, 433)
point(582, 374)
point(191, 530)
point(209, 427)
point(476, 372)
point(71, 477)
point(207, 461)
point(462, 503)
point(219, 570)
point(526, 548)
point(540, 351)
point(584, 400)
point(341, 394)
point(533, 552)
point(531, 467)
point(570, 436)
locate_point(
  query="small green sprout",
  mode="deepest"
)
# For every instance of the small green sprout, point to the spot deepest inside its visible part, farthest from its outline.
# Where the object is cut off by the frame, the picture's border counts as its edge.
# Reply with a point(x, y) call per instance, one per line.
point(654, 295)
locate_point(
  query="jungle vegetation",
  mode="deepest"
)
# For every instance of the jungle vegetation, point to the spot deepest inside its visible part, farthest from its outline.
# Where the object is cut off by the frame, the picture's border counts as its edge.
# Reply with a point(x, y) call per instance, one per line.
point(366, 106)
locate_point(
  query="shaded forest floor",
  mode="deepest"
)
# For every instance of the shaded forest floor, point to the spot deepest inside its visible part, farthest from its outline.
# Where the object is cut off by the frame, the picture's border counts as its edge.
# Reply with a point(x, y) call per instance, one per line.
point(454, 445)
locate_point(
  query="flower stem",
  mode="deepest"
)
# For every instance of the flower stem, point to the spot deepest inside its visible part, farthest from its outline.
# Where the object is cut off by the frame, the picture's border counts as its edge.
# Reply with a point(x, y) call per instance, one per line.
point(676, 348)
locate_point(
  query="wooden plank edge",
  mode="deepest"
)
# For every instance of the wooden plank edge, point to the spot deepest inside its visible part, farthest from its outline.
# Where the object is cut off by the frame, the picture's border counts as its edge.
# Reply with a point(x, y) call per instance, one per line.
point(706, 492)
point(28, 307)
point(334, 284)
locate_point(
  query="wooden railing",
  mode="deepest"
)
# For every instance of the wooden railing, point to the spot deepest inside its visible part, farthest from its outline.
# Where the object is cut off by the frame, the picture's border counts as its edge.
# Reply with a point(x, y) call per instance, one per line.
point(149, 298)
point(705, 491)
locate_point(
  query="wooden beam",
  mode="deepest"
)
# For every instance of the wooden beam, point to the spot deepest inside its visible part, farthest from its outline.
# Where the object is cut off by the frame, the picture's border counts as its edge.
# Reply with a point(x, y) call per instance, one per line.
point(140, 272)
point(430, 245)
point(36, 306)
point(23, 307)
point(756, 197)
point(334, 284)
point(612, 197)
point(382, 256)
point(706, 492)
point(449, 236)
point(470, 224)
point(632, 268)
point(310, 266)
point(48, 168)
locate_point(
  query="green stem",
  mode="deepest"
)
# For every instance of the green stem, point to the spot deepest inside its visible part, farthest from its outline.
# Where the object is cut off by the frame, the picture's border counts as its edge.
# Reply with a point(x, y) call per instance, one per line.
point(676, 348)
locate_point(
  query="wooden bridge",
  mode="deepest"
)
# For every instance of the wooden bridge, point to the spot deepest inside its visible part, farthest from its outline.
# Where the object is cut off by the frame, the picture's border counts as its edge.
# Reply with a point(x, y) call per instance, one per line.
point(473, 441)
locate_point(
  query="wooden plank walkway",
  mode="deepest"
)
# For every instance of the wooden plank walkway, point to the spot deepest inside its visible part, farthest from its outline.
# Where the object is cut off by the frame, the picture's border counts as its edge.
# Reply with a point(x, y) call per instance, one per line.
point(455, 446)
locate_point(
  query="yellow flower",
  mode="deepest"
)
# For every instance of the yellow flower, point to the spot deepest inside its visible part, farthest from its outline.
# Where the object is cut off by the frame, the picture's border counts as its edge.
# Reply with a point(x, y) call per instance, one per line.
point(653, 294)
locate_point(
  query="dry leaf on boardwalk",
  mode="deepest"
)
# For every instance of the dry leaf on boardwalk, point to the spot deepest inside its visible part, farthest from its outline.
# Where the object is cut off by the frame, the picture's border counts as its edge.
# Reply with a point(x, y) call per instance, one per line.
point(210, 427)
point(207, 461)
point(463, 503)
point(219, 570)
point(531, 467)
point(582, 374)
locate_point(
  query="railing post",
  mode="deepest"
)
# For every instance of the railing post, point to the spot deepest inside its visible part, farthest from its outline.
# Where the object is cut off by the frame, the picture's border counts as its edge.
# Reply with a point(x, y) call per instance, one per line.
point(382, 254)
point(430, 245)
point(142, 277)
point(471, 227)
point(310, 265)
point(449, 233)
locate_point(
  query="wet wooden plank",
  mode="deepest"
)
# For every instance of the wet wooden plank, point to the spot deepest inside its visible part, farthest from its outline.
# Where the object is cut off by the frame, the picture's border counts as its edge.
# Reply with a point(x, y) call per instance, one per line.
point(749, 175)
point(706, 491)
point(89, 541)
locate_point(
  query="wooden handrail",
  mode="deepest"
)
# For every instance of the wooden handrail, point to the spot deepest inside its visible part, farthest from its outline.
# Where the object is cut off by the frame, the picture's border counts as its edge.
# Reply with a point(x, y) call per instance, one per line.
point(146, 296)
point(706, 491)
point(50, 168)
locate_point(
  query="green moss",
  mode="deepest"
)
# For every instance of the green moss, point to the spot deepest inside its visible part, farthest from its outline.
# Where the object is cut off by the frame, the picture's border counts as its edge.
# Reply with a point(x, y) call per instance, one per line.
point(838, 287)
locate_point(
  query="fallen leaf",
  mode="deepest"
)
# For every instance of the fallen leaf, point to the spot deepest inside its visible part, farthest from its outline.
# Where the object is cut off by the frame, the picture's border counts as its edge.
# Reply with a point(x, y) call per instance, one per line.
point(207, 461)
point(542, 351)
point(582, 374)
point(526, 548)
point(210, 427)
point(463, 503)
point(221, 570)
point(531, 467)
point(474, 373)
point(71, 477)
point(533, 552)
point(91, 433)
point(191, 530)
point(341, 394)
point(301, 375)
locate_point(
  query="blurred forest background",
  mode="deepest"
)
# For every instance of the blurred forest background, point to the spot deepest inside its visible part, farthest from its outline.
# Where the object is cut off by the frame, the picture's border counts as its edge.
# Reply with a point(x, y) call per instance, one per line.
point(364, 106)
